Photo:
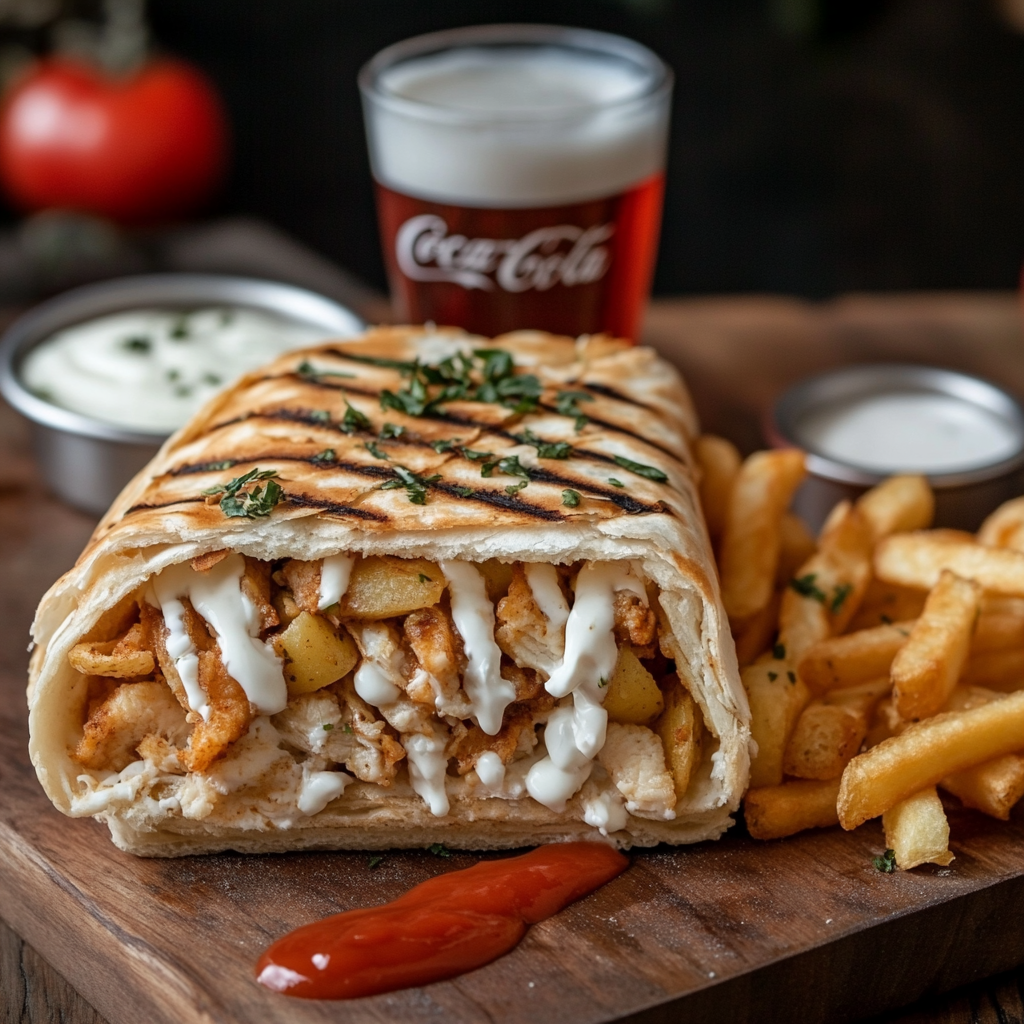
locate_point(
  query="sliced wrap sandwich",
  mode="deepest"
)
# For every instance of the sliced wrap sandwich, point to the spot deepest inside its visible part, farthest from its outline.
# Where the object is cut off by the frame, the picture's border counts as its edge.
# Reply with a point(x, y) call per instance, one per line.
point(418, 587)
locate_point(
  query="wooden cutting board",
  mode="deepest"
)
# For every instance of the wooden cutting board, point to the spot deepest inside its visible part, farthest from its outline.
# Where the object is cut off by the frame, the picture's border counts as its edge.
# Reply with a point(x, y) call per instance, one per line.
point(803, 929)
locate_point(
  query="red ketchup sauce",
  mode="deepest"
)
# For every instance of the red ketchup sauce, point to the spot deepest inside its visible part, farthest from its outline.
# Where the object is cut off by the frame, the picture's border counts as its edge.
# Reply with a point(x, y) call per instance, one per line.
point(443, 927)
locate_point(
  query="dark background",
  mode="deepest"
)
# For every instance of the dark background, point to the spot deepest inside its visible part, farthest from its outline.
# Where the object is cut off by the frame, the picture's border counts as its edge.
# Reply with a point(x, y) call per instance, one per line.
point(817, 146)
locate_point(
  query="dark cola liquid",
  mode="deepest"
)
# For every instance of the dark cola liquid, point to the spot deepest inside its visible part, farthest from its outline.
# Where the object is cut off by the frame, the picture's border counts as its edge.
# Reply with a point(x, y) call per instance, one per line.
point(576, 269)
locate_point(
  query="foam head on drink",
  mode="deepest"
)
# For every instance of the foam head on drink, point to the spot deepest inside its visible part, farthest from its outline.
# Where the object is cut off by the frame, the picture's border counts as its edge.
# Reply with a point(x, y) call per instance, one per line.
point(520, 186)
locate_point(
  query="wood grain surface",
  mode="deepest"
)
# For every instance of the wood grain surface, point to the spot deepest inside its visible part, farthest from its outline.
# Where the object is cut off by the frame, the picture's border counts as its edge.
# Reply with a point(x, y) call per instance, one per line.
point(802, 929)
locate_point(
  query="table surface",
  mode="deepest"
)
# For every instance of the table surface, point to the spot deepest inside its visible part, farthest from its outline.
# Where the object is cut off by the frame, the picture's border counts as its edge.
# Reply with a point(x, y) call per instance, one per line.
point(737, 355)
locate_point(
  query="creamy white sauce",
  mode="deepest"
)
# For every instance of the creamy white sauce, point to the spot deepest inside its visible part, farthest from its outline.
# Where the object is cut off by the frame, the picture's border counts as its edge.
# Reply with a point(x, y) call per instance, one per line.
point(380, 672)
point(910, 432)
point(183, 653)
point(318, 789)
point(152, 369)
point(490, 770)
point(543, 581)
point(335, 573)
point(374, 686)
point(473, 615)
point(557, 777)
point(428, 770)
point(217, 596)
point(605, 811)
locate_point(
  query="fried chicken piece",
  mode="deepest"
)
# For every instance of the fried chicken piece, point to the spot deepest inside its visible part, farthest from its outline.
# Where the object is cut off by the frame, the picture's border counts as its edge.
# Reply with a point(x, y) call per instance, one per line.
point(304, 580)
point(121, 722)
point(204, 563)
point(381, 751)
point(436, 648)
point(526, 681)
point(125, 658)
point(635, 623)
point(523, 631)
point(255, 584)
point(230, 714)
point(635, 759)
point(156, 633)
point(162, 753)
point(468, 742)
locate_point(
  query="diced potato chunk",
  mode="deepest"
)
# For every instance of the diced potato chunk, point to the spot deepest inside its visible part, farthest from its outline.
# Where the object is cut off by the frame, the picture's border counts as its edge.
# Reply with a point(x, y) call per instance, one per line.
point(633, 697)
point(315, 654)
point(682, 731)
point(381, 587)
point(498, 577)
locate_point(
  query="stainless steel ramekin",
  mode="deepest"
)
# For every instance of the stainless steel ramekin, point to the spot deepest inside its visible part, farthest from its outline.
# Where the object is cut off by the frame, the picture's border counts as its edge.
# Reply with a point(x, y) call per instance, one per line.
point(962, 498)
point(85, 461)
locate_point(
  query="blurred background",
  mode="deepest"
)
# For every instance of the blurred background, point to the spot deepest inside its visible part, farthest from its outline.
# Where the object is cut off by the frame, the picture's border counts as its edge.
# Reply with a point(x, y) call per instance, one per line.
point(817, 146)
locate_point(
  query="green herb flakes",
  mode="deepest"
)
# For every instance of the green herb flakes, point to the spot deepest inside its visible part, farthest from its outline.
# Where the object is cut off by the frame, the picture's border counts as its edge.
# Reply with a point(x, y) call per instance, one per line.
point(886, 619)
point(805, 587)
point(327, 726)
point(545, 449)
point(650, 472)
point(509, 465)
point(567, 404)
point(464, 492)
point(772, 676)
point(439, 850)
point(347, 729)
point(310, 372)
point(390, 430)
point(475, 456)
point(320, 416)
point(513, 489)
point(375, 861)
point(327, 455)
point(839, 595)
point(424, 578)
point(791, 676)
point(354, 420)
point(415, 485)
point(138, 343)
point(615, 483)
point(779, 652)
point(443, 446)
point(375, 450)
point(886, 863)
point(570, 498)
point(254, 503)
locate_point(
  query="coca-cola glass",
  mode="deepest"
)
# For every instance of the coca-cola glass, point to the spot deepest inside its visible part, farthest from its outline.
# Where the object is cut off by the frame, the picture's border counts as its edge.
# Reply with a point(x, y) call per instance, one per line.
point(520, 175)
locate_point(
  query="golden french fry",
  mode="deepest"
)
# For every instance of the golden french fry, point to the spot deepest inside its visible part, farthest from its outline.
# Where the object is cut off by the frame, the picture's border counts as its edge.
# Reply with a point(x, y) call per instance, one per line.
point(1000, 604)
point(917, 831)
point(797, 545)
point(925, 753)
point(776, 811)
point(997, 631)
point(917, 560)
point(852, 658)
point(828, 588)
point(754, 636)
point(998, 670)
point(965, 696)
point(719, 462)
point(750, 540)
point(681, 728)
point(898, 504)
point(885, 603)
point(927, 667)
point(885, 722)
point(1004, 528)
point(839, 512)
point(776, 699)
point(992, 788)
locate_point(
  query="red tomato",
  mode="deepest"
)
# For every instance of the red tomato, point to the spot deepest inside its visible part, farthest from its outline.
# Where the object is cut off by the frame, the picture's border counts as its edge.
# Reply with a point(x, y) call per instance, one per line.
point(143, 148)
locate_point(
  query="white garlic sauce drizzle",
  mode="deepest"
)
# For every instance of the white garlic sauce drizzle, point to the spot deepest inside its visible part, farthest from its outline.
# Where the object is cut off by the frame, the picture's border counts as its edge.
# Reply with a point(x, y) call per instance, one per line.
point(606, 812)
point(182, 652)
point(428, 770)
point(217, 596)
point(335, 572)
point(490, 770)
point(374, 679)
point(543, 581)
point(473, 615)
point(590, 656)
point(318, 789)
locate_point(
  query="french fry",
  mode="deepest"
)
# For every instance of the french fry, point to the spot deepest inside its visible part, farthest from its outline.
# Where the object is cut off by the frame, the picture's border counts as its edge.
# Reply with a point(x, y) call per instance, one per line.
point(828, 587)
point(997, 631)
point(776, 811)
point(1004, 528)
point(917, 831)
point(898, 504)
point(998, 670)
point(885, 722)
point(776, 699)
point(927, 752)
point(927, 667)
point(885, 603)
point(917, 560)
point(830, 731)
point(797, 545)
point(751, 538)
point(992, 788)
point(755, 635)
point(1000, 604)
point(852, 658)
point(719, 462)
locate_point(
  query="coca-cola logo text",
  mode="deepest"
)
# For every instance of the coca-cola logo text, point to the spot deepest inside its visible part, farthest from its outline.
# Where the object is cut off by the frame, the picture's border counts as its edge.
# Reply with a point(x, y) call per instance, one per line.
point(563, 254)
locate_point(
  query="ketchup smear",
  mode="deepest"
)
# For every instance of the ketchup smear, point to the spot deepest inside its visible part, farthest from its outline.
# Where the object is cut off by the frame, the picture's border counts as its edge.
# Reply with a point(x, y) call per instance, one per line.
point(443, 927)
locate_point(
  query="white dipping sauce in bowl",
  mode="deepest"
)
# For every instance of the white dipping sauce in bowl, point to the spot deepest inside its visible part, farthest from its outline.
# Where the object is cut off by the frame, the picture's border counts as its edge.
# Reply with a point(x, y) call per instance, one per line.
point(150, 370)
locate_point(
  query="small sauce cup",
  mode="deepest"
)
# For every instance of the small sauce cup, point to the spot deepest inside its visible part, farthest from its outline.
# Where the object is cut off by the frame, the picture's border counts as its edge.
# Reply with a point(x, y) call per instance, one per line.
point(86, 461)
point(862, 424)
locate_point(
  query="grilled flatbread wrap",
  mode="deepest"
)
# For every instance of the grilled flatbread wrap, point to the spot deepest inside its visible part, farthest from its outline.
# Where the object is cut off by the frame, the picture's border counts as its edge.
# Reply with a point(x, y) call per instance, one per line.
point(418, 587)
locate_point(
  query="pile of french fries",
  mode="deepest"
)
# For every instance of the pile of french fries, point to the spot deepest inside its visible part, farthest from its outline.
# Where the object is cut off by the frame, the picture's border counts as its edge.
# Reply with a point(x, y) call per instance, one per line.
point(883, 660)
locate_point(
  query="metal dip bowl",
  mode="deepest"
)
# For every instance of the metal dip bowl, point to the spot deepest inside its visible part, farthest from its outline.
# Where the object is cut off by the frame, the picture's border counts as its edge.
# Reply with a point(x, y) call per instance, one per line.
point(85, 461)
point(963, 497)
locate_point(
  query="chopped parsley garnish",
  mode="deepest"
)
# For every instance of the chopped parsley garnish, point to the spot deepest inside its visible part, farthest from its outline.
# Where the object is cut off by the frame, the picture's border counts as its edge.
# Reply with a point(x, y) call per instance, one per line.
point(651, 472)
point(791, 676)
point(353, 420)
point(772, 676)
point(513, 489)
point(390, 430)
point(387, 364)
point(886, 619)
point(444, 445)
point(464, 492)
point(415, 485)
point(839, 595)
point(374, 449)
point(615, 483)
point(212, 379)
point(805, 587)
point(138, 343)
point(307, 369)
point(439, 850)
point(886, 863)
point(779, 652)
point(225, 464)
point(567, 404)
point(347, 729)
point(603, 682)
point(327, 726)
point(424, 578)
point(319, 415)
point(327, 455)
point(545, 449)
point(179, 332)
point(510, 465)
point(570, 498)
point(254, 503)
point(375, 860)
point(475, 456)
point(173, 375)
